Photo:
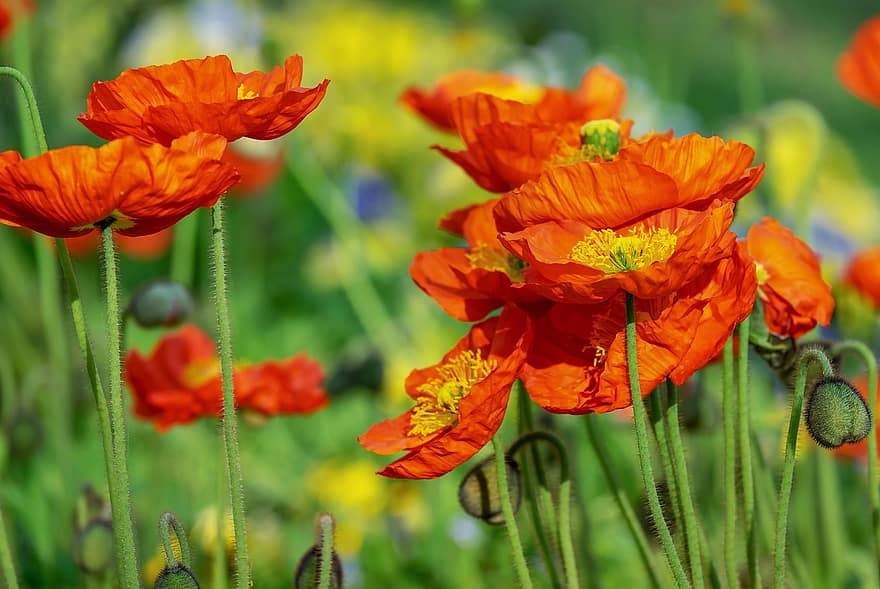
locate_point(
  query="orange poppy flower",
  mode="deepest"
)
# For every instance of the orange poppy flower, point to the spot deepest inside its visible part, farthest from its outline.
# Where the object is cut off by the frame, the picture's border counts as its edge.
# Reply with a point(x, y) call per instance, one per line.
point(134, 187)
point(470, 282)
point(862, 274)
point(587, 232)
point(600, 95)
point(180, 382)
point(460, 402)
point(858, 68)
point(577, 359)
point(159, 103)
point(143, 247)
point(790, 283)
point(10, 11)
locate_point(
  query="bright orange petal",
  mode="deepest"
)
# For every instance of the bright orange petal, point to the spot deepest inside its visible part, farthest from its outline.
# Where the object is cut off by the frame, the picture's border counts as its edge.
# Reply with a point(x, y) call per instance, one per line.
point(862, 274)
point(859, 66)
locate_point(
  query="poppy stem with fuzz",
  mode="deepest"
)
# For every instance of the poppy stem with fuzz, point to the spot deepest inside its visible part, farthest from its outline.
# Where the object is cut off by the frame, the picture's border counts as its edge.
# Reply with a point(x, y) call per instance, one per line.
point(7, 568)
point(682, 483)
point(33, 111)
point(168, 524)
point(230, 435)
point(120, 494)
point(519, 558)
point(641, 427)
point(729, 420)
point(620, 498)
point(744, 429)
point(565, 540)
point(873, 484)
point(807, 356)
point(325, 570)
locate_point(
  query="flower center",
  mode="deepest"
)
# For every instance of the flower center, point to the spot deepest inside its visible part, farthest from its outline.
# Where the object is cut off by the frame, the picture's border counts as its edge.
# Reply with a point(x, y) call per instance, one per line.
point(245, 94)
point(496, 260)
point(200, 372)
point(437, 407)
point(600, 139)
point(762, 274)
point(609, 252)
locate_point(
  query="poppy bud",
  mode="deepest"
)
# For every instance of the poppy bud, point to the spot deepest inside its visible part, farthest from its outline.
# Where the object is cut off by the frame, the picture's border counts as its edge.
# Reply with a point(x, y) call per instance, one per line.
point(836, 413)
point(176, 576)
point(601, 138)
point(24, 432)
point(93, 547)
point(478, 493)
point(161, 303)
point(308, 571)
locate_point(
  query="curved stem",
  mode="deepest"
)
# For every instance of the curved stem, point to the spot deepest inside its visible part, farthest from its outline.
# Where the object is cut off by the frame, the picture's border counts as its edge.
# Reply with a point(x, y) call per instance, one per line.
point(565, 540)
point(641, 427)
point(729, 419)
point(623, 505)
point(519, 559)
point(691, 525)
point(808, 355)
point(744, 428)
point(325, 567)
point(230, 435)
point(32, 109)
point(120, 498)
point(873, 484)
point(168, 524)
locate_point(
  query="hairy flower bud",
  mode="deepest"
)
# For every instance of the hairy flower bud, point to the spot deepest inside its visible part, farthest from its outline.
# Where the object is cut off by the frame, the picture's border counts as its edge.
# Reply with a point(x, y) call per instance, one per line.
point(308, 571)
point(836, 413)
point(161, 303)
point(176, 576)
point(478, 493)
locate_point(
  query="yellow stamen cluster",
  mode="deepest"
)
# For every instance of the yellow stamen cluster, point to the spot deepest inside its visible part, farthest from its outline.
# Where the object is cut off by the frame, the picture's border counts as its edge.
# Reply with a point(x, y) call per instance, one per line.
point(496, 260)
point(611, 253)
point(245, 94)
point(437, 407)
point(600, 139)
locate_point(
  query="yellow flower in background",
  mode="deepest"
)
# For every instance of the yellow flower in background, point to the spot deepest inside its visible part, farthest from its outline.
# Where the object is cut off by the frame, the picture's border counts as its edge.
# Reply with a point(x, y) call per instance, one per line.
point(157, 563)
point(204, 531)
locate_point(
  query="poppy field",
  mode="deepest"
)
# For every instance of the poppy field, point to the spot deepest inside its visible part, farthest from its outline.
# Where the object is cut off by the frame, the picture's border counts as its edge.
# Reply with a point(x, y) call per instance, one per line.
point(374, 294)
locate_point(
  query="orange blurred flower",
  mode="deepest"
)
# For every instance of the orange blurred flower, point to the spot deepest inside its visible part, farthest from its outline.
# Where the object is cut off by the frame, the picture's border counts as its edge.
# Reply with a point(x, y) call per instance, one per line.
point(10, 10)
point(859, 66)
point(143, 247)
point(588, 231)
point(460, 402)
point(577, 359)
point(159, 103)
point(600, 95)
point(180, 382)
point(863, 275)
point(257, 173)
point(790, 282)
point(135, 188)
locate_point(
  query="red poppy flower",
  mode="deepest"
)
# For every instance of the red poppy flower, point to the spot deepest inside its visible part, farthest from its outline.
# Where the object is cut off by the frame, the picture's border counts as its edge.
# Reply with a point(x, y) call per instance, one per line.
point(862, 274)
point(460, 402)
point(257, 172)
point(470, 282)
point(600, 95)
point(180, 382)
point(134, 187)
point(859, 66)
point(790, 282)
point(577, 359)
point(159, 103)
point(10, 11)
point(143, 247)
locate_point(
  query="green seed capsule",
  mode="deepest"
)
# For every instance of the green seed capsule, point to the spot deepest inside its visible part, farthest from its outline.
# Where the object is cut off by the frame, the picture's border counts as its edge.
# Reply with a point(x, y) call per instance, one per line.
point(161, 303)
point(836, 413)
point(176, 577)
point(93, 548)
point(478, 493)
point(308, 572)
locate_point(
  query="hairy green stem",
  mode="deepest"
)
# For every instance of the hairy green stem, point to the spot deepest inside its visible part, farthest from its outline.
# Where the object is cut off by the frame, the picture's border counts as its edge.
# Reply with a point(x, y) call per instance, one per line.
point(120, 498)
point(744, 428)
point(33, 111)
point(6, 564)
point(325, 567)
point(626, 510)
point(665, 451)
point(532, 470)
point(519, 558)
point(234, 482)
point(729, 418)
point(168, 524)
point(806, 357)
point(691, 525)
point(183, 252)
point(870, 361)
point(641, 428)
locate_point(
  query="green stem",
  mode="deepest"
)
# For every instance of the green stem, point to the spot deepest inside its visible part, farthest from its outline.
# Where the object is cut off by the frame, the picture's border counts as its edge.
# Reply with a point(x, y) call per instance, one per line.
point(532, 462)
point(565, 539)
point(120, 498)
point(626, 510)
point(6, 563)
point(729, 418)
point(749, 78)
point(744, 428)
point(183, 252)
point(325, 567)
point(234, 482)
point(808, 355)
point(683, 484)
point(168, 524)
point(21, 52)
point(33, 111)
point(519, 559)
point(659, 421)
point(641, 427)
point(873, 484)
